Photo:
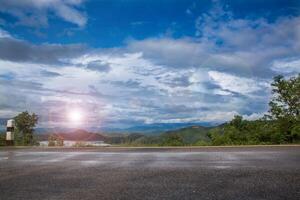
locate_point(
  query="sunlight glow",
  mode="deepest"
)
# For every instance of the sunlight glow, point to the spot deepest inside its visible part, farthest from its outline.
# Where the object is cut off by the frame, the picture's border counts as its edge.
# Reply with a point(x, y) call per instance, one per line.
point(75, 116)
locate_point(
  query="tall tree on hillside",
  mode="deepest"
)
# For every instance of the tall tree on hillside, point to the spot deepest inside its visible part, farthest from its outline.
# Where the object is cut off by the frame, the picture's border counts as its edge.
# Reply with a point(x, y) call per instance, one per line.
point(285, 106)
point(25, 123)
point(237, 122)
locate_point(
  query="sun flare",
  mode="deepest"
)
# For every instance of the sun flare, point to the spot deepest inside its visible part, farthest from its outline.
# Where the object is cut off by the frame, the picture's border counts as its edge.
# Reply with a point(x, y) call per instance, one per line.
point(75, 116)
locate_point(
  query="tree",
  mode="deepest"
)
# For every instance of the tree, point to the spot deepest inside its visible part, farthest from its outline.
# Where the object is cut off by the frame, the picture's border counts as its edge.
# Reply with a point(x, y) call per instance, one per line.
point(285, 106)
point(172, 139)
point(25, 123)
point(2, 139)
point(237, 122)
point(55, 140)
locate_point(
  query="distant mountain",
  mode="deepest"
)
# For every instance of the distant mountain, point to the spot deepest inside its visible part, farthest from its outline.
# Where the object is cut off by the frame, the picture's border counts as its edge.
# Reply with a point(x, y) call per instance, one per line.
point(77, 135)
point(155, 128)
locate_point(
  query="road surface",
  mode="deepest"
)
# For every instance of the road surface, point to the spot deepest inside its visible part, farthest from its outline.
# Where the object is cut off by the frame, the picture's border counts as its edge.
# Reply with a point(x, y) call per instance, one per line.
point(150, 173)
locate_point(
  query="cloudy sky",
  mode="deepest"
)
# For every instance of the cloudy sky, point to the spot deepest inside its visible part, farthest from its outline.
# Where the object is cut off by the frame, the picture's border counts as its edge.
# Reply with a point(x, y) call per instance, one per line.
point(130, 62)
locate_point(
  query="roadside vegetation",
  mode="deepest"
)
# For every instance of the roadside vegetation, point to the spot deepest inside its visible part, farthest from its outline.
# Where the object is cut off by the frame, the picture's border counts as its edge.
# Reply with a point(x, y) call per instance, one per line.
point(281, 125)
point(24, 130)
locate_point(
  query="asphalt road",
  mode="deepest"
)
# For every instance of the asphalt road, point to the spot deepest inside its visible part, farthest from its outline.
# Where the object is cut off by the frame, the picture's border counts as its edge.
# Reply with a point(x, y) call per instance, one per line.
point(150, 173)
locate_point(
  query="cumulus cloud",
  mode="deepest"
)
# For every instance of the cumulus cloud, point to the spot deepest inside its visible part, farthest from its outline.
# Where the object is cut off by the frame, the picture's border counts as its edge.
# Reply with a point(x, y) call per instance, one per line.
point(35, 13)
point(240, 46)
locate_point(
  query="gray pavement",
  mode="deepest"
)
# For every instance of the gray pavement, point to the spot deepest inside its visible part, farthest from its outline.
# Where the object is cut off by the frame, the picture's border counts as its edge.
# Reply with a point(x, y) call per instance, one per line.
point(150, 173)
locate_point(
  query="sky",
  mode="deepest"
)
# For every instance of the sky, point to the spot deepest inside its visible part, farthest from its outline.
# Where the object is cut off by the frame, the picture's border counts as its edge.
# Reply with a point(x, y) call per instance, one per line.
point(123, 63)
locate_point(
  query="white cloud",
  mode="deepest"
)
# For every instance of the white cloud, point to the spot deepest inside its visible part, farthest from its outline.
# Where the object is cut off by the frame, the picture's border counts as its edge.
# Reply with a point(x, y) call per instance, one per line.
point(176, 53)
point(5, 113)
point(290, 65)
point(236, 84)
point(35, 13)
point(4, 34)
point(239, 46)
point(135, 88)
point(216, 117)
point(253, 116)
point(71, 15)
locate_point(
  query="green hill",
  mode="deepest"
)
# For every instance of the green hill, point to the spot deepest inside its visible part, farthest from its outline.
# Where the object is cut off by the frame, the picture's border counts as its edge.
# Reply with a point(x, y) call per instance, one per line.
point(191, 135)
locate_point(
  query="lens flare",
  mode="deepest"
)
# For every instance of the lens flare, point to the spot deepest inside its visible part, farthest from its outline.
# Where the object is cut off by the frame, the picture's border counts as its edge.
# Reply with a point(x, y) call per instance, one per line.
point(75, 116)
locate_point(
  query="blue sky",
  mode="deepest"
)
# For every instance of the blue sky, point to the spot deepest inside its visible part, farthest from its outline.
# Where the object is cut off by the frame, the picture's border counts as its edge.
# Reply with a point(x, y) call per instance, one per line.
point(132, 62)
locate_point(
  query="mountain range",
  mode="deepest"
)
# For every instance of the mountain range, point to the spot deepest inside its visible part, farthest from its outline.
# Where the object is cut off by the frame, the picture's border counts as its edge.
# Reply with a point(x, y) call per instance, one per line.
point(155, 128)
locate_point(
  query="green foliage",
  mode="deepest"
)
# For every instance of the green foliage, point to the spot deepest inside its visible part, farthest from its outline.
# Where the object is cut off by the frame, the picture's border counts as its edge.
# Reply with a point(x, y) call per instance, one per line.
point(132, 137)
point(286, 98)
point(25, 123)
point(116, 139)
point(202, 143)
point(247, 132)
point(148, 140)
point(285, 107)
point(192, 135)
point(2, 139)
point(172, 139)
point(123, 138)
point(295, 133)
